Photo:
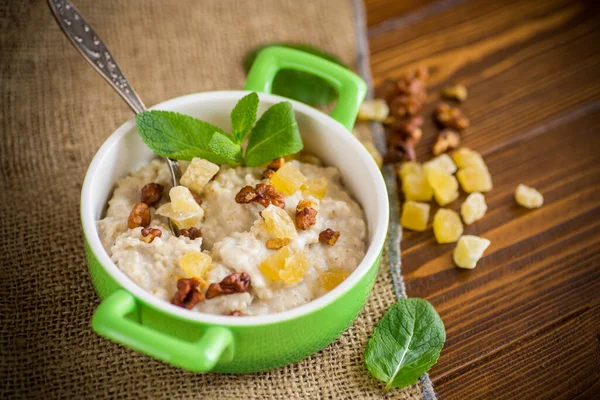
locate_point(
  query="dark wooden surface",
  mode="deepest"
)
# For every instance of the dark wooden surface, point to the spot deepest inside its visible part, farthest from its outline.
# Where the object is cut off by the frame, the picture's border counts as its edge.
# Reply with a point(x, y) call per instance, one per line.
point(526, 322)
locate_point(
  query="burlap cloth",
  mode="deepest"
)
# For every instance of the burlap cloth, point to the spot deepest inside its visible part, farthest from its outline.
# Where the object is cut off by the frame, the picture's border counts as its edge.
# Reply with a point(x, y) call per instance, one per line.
point(55, 113)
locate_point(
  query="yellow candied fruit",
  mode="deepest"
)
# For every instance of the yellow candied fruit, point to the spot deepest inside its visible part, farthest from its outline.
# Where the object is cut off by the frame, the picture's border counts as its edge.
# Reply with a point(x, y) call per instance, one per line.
point(444, 185)
point(288, 179)
point(447, 226)
point(294, 268)
point(415, 215)
point(331, 278)
point(469, 250)
point(271, 266)
point(475, 178)
point(473, 208)
point(195, 264)
point(409, 168)
point(278, 223)
point(465, 157)
point(416, 187)
point(315, 187)
point(528, 197)
point(183, 220)
point(443, 161)
point(373, 110)
point(198, 174)
point(183, 201)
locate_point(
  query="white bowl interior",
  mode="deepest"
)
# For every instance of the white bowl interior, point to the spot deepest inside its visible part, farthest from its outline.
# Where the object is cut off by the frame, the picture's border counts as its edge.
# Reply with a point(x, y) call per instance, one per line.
point(125, 152)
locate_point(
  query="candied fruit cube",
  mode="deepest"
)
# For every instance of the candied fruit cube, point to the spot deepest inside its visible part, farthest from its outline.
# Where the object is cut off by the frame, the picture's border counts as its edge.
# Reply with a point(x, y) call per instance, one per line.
point(271, 266)
point(409, 168)
point(195, 264)
point(278, 223)
point(331, 278)
point(416, 187)
point(183, 220)
point(315, 187)
point(464, 157)
point(294, 268)
point(447, 226)
point(475, 178)
point(473, 208)
point(528, 197)
point(415, 215)
point(198, 174)
point(443, 161)
point(469, 250)
point(288, 179)
point(182, 200)
point(373, 110)
point(444, 185)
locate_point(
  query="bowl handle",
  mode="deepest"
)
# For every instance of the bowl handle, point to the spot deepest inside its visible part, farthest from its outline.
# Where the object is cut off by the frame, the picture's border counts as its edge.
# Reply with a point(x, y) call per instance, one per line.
point(110, 321)
point(351, 88)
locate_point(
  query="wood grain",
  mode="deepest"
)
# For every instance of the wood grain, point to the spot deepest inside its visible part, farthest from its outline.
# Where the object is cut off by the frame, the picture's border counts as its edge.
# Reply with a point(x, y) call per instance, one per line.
point(526, 322)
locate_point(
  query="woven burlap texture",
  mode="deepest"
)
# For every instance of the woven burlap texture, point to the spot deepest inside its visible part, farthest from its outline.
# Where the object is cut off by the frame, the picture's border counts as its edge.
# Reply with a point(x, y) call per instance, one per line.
point(55, 113)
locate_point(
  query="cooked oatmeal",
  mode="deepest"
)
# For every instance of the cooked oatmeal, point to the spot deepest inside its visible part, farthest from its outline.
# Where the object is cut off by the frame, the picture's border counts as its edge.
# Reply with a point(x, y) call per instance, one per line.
point(289, 253)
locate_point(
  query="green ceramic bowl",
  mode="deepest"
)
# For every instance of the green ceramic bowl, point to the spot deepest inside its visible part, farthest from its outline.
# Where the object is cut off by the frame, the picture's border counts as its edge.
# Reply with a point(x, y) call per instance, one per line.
point(204, 342)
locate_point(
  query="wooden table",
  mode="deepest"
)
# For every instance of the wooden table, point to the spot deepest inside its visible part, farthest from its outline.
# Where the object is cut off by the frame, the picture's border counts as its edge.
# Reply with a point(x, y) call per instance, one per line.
point(526, 322)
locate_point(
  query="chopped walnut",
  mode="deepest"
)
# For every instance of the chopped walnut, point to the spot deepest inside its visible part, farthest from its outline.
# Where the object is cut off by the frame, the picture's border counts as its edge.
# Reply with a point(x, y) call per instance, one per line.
point(187, 295)
point(276, 244)
point(446, 140)
point(276, 163)
point(192, 233)
point(149, 234)
point(306, 214)
point(455, 92)
point(268, 173)
point(267, 194)
point(152, 193)
point(407, 128)
point(329, 236)
point(235, 283)
point(197, 198)
point(237, 313)
point(451, 117)
point(246, 195)
point(400, 149)
point(139, 216)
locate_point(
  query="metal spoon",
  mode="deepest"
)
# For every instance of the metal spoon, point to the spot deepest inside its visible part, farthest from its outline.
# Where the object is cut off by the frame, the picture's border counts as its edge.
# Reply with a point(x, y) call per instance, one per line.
point(92, 48)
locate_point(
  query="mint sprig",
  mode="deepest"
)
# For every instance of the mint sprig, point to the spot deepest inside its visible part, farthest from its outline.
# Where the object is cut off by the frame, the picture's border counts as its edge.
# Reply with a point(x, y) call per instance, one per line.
point(406, 343)
point(181, 137)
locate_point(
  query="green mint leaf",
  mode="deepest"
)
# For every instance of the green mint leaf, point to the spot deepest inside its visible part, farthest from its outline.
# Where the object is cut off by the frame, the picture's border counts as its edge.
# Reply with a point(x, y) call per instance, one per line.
point(179, 136)
point(406, 343)
point(298, 85)
point(275, 135)
point(243, 116)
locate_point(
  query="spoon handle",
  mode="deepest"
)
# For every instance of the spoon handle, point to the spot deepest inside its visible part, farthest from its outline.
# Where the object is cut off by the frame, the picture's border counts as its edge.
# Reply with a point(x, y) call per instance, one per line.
point(92, 48)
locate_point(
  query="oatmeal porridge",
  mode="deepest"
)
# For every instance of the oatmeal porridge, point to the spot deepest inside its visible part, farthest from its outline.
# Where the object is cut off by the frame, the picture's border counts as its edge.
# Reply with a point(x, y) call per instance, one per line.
point(251, 241)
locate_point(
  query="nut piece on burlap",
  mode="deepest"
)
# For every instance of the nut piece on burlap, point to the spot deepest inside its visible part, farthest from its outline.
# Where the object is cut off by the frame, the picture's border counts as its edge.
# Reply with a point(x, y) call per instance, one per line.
point(56, 112)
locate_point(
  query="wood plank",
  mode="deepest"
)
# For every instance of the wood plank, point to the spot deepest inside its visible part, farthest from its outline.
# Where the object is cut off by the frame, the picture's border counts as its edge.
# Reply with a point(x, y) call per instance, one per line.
point(561, 362)
point(385, 11)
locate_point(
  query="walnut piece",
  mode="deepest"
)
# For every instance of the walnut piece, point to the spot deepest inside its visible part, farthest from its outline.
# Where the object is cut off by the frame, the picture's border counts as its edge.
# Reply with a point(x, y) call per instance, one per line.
point(152, 193)
point(399, 150)
point(187, 295)
point(263, 194)
point(451, 117)
point(246, 195)
point(446, 140)
point(139, 216)
point(306, 214)
point(329, 236)
point(149, 234)
point(197, 198)
point(276, 163)
point(237, 313)
point(407, 128)
point(267, 173)
point(455, 92)
point(235, 283)
point(276, 244)
point(192, 233)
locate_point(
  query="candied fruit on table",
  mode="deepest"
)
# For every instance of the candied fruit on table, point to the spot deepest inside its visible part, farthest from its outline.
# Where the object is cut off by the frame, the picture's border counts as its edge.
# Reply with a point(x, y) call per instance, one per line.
point(473, 208)
point(195, 264)
point(469, 251)
point(315, 187)
point(447, 226)
point(278, 223)
point(332, 278)
point(408, 168)
point(415, 186)
point(528, 197)
point(444, 185)
point(288, 179)
point(415, 215)
point(373, 110)
point(465, 157)
point(475, 178)
point(443, 161)
point(198, 174)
